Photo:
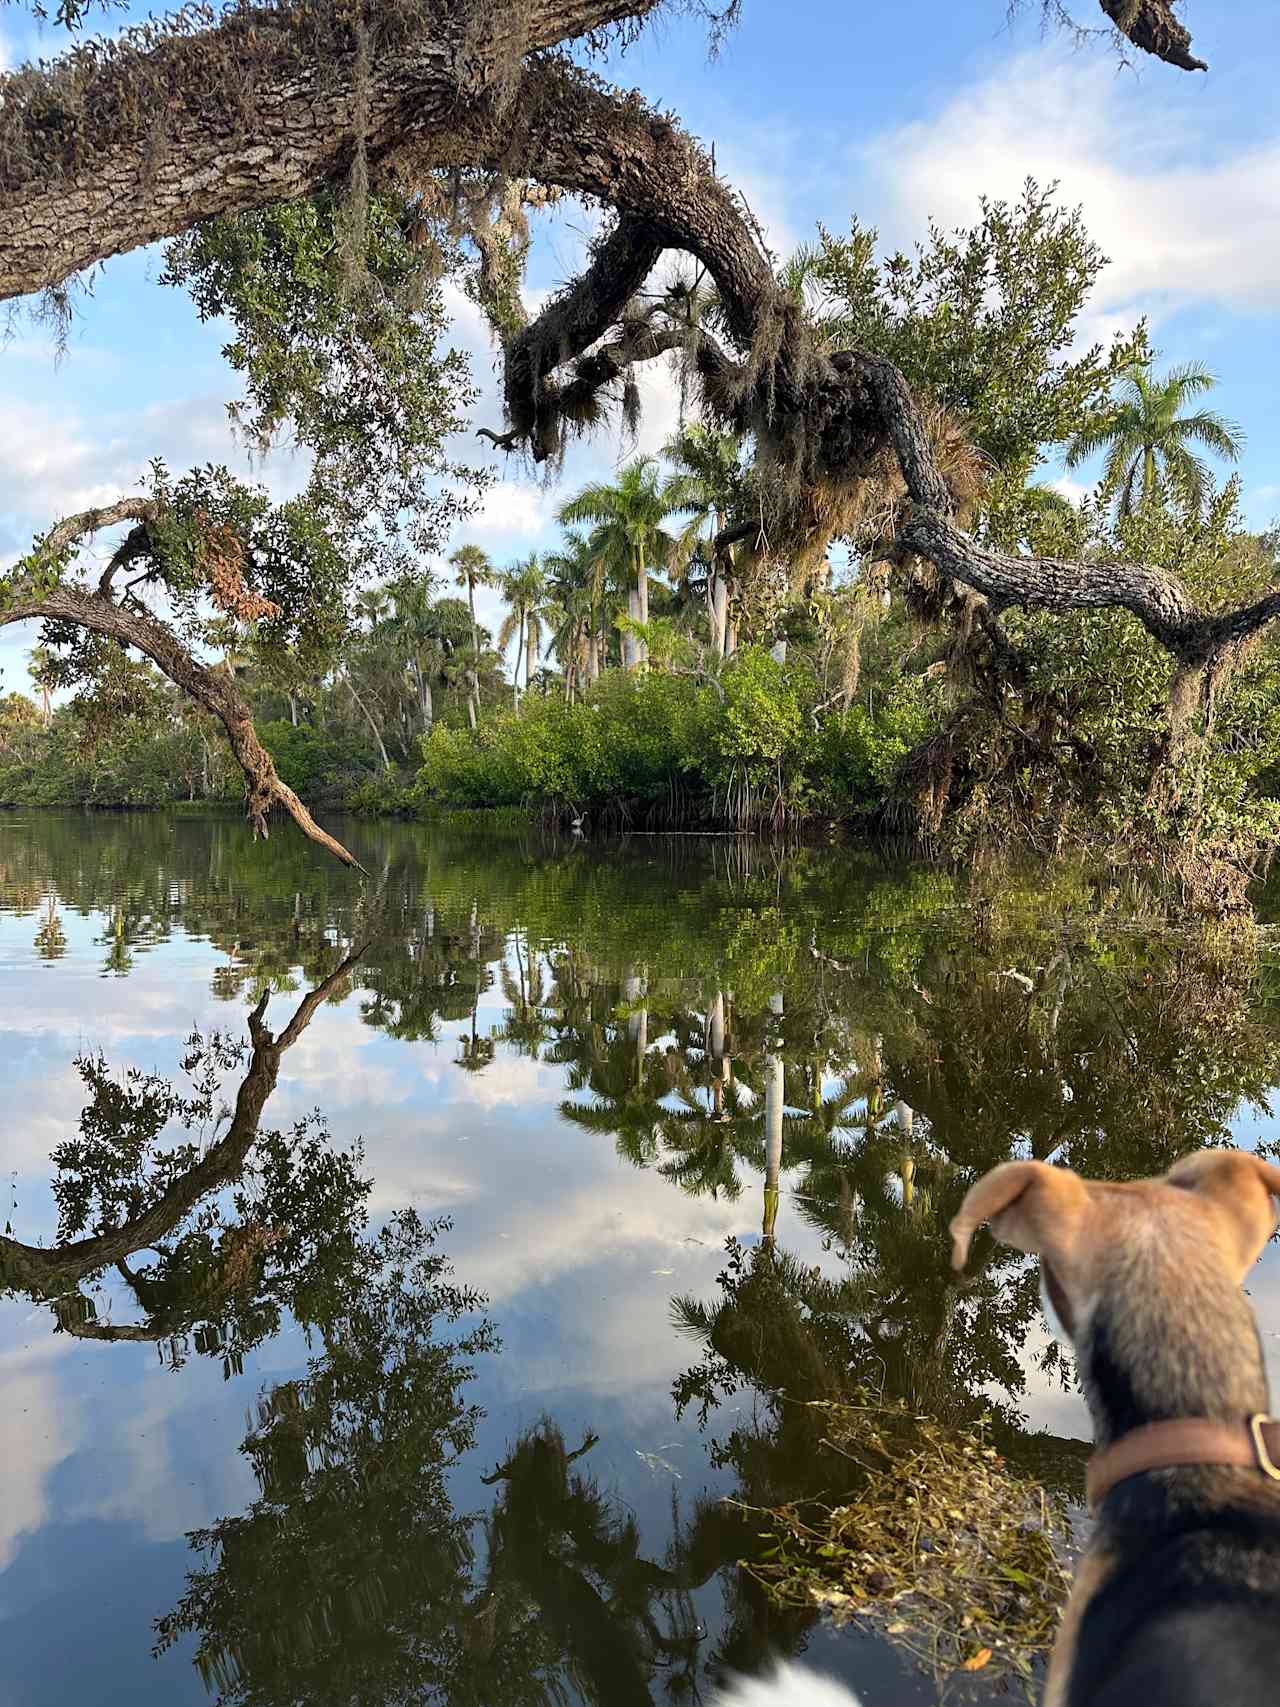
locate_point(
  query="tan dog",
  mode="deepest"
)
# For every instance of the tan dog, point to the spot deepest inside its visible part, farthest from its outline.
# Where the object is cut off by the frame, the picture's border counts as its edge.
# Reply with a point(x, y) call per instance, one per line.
point(1177, 1601)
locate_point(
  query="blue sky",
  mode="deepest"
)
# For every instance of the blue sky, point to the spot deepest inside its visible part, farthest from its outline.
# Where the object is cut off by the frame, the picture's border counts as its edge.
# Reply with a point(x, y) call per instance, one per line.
point(897, 114)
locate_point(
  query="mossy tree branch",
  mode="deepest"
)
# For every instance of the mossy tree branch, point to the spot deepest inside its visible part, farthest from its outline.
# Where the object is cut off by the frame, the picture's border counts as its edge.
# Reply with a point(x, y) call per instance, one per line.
point(450, 85)
point(130, 624)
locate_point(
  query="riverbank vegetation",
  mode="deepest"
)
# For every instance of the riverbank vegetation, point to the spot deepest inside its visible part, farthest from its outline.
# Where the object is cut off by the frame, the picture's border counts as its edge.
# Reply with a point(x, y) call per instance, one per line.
point(843, 592)
point(647, 673)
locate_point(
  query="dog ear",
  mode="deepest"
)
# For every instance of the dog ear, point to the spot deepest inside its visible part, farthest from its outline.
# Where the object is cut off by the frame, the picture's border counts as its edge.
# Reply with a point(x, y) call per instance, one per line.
point(1030, 1205)
point(1241, 1187)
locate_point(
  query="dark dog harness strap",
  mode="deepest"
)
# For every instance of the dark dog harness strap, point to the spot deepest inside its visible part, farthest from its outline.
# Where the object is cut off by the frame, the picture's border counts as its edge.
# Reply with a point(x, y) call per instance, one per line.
point(1248, 1445)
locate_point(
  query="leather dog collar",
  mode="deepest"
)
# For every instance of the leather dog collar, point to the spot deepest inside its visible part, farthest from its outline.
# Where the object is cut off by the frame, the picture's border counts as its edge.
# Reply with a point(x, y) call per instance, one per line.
point(1251, 1445)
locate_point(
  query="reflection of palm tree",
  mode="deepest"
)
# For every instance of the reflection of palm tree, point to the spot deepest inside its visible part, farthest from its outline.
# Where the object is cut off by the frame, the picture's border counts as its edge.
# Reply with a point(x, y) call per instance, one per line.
point(704, 1139)
point(555, 1543)
point(626, 1088)
point(474, 1052)
point(526, 1025)
point(51, 939)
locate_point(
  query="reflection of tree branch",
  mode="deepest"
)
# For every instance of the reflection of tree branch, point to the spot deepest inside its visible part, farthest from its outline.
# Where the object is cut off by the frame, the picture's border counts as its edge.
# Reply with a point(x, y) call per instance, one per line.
point(45, 1271)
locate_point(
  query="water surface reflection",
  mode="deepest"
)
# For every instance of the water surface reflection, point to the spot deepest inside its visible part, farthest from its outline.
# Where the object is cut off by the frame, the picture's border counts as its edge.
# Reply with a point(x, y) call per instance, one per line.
point(397, 1279)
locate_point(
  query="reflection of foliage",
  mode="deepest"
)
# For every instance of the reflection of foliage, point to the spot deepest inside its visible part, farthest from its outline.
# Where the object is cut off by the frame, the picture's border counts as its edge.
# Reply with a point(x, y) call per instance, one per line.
point(240, 1225)
point(51, 939)
point(877, 1412)
point(942, 1546)
point(567, 1580)
point(345, 1581)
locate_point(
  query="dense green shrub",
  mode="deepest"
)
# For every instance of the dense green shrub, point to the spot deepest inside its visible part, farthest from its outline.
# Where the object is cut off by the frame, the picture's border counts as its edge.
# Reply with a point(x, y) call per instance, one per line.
point(319, 765)
point(738, 749)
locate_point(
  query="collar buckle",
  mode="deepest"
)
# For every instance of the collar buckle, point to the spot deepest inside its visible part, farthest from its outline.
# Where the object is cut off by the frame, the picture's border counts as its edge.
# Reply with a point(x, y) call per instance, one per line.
point(1265, 1461)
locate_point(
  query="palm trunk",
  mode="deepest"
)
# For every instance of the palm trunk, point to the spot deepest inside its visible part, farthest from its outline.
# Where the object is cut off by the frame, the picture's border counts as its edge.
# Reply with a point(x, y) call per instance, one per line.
point(428, 705)
point(637, 1023)
point(515, 674)
point(1148, 474)
point(641, 608)
point(717, 611)
point(530, 655)
point(715, 1052)
point(716, 601)
point(905, 1116)
point(773, 1105)
point(774, 1082)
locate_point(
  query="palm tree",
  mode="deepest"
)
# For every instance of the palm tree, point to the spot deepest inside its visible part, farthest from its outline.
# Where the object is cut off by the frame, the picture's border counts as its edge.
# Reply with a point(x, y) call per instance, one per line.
point(577, 574)
point(473, 570)
point(628, 534)
point(40, 669)
point(524, 587)
point(1145, 434)
point(708, 484)
point(412, 627)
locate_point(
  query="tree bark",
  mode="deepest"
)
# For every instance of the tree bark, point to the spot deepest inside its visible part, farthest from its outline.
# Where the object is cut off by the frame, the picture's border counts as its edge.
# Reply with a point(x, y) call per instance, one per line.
point(266, 106)
point(1152, 26)
point(216, 692)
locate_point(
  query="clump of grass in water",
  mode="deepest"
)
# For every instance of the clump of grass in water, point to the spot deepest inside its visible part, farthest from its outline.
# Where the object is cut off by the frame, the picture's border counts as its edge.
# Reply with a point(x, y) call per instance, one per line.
point(944, 1548)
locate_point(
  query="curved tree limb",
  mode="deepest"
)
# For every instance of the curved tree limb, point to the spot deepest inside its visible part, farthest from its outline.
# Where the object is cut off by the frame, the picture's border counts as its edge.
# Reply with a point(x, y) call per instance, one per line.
point(47, 1270)
point(572, 322)
point(1153, 26)
point(106, 151)
point(210, 688)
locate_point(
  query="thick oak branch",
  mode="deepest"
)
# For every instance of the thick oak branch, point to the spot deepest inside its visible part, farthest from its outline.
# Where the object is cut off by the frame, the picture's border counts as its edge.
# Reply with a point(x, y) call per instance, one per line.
point(212, 689)
point(1157, 599)
point(111, 149)
point(1153, 26)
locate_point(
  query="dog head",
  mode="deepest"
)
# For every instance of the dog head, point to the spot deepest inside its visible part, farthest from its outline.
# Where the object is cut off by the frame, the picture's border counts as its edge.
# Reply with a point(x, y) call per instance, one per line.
point(1144, 1276)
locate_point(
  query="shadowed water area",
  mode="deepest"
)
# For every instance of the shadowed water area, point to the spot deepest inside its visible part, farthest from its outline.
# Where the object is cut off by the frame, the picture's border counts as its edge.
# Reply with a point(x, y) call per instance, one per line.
point(417, 1290)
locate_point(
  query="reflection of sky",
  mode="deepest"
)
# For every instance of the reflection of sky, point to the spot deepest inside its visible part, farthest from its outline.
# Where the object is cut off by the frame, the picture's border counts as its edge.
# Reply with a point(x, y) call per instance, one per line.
point(108, 1459)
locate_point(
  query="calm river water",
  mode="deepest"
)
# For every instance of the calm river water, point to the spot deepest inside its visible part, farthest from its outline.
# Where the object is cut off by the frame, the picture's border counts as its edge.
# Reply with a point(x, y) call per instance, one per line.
point(406, 1285)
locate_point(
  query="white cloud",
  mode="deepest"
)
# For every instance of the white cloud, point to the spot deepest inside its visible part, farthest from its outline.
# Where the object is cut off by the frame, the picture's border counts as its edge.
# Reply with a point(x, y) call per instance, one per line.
point(54, 460)
point(512, 512)
point(1178, 227)
point(39, 1428)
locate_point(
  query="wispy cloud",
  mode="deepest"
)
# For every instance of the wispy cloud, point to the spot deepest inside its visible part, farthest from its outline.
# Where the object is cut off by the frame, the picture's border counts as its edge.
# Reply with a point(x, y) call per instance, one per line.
point(1178, 228)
